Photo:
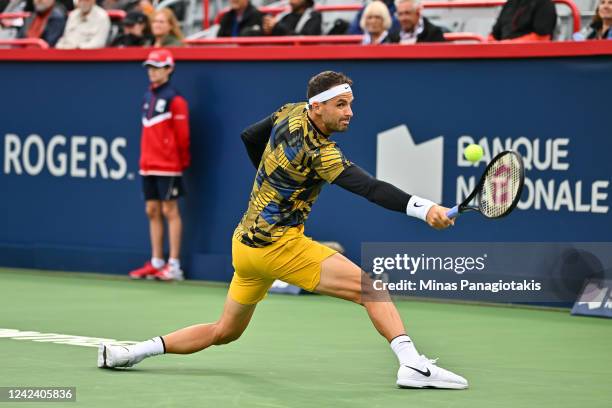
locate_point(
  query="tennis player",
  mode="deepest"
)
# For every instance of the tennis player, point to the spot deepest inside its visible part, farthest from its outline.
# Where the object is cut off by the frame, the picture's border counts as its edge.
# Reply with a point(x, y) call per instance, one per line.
point(294, 157)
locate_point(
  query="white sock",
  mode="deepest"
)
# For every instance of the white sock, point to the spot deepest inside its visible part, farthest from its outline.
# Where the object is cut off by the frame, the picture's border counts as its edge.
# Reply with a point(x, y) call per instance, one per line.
point(404, 349)
point(149, 348)
point(157, 263)
point(175, 263)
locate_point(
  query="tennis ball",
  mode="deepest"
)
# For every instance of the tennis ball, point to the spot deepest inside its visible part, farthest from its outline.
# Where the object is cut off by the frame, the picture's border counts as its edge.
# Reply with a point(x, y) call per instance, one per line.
point(473, 153)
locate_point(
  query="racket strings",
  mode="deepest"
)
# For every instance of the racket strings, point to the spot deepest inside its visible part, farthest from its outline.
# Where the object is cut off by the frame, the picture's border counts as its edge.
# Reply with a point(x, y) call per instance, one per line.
point(501, 186)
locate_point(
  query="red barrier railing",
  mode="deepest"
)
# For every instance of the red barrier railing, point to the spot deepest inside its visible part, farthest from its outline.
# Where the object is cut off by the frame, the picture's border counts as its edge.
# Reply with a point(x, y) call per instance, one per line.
point(311, 39)
point(26, 42)
point(426, 4)
point(464, 37)
point(13, 16)
point(348, 52)
point(206, 14)
point(115, 15)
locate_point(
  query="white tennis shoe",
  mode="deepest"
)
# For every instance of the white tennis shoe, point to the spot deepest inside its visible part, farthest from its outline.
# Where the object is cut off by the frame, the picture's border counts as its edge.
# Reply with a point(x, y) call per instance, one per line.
point(424, 373)
point(110, 356)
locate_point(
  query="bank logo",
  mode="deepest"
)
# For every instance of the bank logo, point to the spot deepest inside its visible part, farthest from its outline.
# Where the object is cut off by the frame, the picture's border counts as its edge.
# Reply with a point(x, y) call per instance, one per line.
point(416, 169)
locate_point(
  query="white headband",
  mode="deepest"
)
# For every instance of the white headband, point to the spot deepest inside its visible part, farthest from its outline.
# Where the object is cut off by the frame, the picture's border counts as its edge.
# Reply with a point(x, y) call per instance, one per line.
point(330, 93)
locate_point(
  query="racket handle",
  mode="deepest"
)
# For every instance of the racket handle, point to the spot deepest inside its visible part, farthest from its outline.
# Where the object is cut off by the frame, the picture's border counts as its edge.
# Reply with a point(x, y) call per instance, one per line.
point(453, 212)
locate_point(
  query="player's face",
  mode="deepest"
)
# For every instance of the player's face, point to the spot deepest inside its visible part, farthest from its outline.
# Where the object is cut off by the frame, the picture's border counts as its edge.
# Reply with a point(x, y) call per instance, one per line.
point(158, 76)
point(407, 15)
point(336, 113)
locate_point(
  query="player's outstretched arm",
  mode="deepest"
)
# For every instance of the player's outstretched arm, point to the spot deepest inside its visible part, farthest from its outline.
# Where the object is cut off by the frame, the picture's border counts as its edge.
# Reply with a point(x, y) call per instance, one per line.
point(358, 181)
point(255, 138)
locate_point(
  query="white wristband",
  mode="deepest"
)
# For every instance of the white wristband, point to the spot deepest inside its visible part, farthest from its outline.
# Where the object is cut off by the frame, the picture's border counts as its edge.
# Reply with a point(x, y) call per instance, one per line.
point(419, 207)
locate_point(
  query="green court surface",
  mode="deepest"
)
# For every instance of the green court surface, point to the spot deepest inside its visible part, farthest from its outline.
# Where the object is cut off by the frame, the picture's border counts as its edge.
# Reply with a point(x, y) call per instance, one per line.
point(306, 351)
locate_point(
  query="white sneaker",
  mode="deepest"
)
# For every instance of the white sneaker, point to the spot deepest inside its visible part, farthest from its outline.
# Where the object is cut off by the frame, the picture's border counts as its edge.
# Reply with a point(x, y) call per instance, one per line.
point(169, 273)
point(425, 373)
point(110, 356)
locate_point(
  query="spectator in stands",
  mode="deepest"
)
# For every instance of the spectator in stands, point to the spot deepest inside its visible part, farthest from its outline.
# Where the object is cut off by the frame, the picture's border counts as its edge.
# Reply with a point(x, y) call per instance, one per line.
point(47, 22)
point(525, 20)
point(599, 29)
point(88, 27)
point(166, 29)
point(415, 28)
point(301, 20)
point(136, 31)
point(375, 22)
point(68, 5)
point(125, 5)
point(242, 20)
point(164, 155)
point(355, 27)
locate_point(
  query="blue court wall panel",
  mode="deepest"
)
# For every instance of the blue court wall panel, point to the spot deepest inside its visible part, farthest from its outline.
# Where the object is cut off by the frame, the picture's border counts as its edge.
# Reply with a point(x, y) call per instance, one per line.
point(72, 130)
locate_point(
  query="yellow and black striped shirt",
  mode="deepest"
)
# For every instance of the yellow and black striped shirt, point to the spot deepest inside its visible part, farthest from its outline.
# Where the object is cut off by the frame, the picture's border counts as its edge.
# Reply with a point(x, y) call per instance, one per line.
point(297, 161)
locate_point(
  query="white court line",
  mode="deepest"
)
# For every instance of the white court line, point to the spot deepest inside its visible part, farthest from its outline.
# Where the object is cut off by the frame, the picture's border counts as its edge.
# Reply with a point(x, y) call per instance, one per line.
point(56, 338)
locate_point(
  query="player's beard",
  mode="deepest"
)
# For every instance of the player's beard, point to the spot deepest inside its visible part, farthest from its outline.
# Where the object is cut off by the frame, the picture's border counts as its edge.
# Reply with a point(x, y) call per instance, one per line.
point(338, 126)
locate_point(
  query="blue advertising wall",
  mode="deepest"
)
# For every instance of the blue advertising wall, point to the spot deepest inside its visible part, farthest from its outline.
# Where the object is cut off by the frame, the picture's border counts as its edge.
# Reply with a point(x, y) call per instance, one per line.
point(78, 219)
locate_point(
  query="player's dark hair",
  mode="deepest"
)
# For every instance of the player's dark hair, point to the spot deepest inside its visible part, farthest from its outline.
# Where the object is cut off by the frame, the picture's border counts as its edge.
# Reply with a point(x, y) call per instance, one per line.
point(325, 80)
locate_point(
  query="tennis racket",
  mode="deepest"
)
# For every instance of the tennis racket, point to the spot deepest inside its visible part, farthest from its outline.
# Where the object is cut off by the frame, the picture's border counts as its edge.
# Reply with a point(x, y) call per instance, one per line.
point(499, 188)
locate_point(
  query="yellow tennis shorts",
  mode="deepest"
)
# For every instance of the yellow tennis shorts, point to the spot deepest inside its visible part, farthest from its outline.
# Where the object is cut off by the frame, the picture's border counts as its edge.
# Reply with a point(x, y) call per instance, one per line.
point(294, 258)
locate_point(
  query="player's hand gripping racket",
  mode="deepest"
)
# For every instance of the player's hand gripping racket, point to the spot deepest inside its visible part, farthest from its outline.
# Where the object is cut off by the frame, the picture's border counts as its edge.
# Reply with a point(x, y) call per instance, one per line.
point(499, 188)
